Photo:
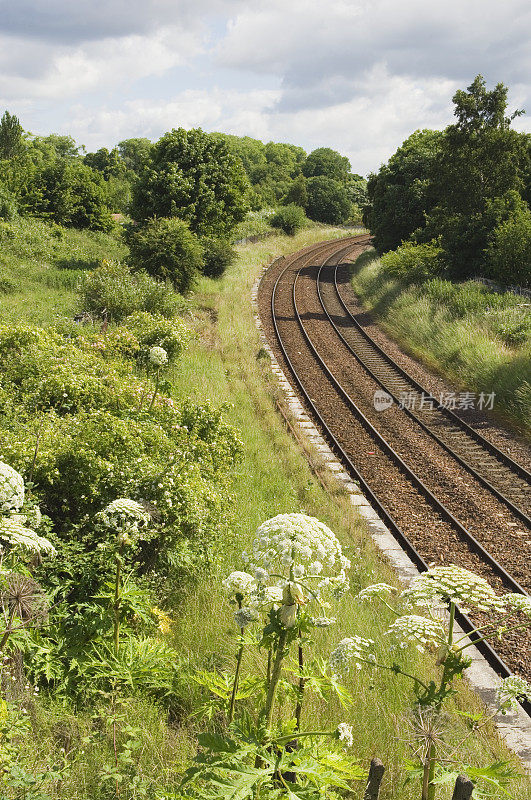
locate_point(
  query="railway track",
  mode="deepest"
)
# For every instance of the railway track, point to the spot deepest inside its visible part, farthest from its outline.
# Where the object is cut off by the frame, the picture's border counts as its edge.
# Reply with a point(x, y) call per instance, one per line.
point(444, 506)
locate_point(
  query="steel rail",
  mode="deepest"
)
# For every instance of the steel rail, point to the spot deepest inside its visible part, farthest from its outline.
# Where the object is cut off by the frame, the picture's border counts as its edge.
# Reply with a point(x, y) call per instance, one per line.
point(520, 513)
point(495, 661)
point(468, 429)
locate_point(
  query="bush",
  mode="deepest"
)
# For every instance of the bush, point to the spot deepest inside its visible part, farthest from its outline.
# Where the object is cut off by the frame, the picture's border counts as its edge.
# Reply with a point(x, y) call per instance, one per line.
point(509, 251)
point(327, 201)
point(414, 261)
point(8, 205)
point(114, 289)
point(289, 218)
point(154, 329)
point(166, 248)
point(218, 254)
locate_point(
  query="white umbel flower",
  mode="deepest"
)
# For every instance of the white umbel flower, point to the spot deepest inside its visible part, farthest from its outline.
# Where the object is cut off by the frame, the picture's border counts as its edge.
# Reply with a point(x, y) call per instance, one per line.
point(347, 654)
point(125, 513)
point(375, 590)
point(440, 585)
point(291, 541)
point(11, 488)
point(420, 631)
point(245, 616)
point(518, 602)
point(239, 583)
point(510, 690)
point(15, 535)
point(158, 356)
point(344, 734)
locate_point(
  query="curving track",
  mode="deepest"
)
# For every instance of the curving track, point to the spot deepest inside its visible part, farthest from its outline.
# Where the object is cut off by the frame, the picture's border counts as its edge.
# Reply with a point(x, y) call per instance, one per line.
point(446, 492)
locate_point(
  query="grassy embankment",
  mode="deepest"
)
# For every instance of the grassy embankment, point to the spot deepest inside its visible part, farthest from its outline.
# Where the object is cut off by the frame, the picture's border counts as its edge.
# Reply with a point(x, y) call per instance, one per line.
point(224, 364)
point(480, 340)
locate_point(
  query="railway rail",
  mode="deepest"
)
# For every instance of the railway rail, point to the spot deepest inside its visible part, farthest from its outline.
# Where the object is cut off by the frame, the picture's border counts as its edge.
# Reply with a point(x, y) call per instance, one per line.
point(306, 317)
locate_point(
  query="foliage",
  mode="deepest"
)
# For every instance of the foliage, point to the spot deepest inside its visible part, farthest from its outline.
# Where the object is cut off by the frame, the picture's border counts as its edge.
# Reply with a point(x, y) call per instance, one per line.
point(327, 200)
point(193, 176)
point(156, 330)
point(218, 255)
point(401, 193)
point(414, 262)
point(11, 136)
point(327, 162)
point(509, 250)
point(297, 192)
point(290, 219)
point(8, 204)
point(70, 193)
point(112, 288)
point(167, 249)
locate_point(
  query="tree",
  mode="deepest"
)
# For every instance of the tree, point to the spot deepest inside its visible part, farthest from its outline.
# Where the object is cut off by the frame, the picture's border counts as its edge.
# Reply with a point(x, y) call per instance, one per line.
point(479, 161)
point(297, 192)
point(327, 200)
point(70, 193)
point(192, 176)
point(167, 248)
point(508, 255)
point(401, 194)
point(327, 162)
point(136, 153)
point(11, 136)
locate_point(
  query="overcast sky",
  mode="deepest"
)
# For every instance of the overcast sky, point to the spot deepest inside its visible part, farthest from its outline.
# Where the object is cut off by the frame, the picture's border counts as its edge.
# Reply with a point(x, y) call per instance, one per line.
point(356, 75)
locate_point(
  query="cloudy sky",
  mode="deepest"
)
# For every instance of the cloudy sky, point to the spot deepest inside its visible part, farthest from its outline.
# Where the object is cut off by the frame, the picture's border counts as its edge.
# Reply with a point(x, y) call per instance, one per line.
point(355, 75)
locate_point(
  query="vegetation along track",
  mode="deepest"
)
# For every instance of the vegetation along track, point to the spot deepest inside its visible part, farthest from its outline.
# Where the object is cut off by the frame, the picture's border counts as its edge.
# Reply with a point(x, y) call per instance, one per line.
point(442, 508)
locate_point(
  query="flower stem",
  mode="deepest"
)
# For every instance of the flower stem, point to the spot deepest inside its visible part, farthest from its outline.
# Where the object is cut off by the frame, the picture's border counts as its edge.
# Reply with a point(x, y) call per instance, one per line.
point(236, 674)
point(300, 695)
point(275, 677)
point(157, 378)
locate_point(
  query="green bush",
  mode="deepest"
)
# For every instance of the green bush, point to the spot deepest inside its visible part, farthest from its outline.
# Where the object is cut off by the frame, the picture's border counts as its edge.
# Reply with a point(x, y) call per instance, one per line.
point(290, 219)
point(327, 201)
point(509, 251)
point(167, 249)
point(113, 288)
point(414, 261)
point(218, 254)
point(154, 329)
point(8, 204)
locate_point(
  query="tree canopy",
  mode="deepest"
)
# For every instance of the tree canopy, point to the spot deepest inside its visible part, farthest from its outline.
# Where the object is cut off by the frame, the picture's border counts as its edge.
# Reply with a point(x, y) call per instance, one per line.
point(193, 176)
point(327, 162)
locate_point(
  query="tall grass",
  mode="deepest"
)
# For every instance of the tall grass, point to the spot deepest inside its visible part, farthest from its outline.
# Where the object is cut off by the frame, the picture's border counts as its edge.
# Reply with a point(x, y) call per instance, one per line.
point(479, 339)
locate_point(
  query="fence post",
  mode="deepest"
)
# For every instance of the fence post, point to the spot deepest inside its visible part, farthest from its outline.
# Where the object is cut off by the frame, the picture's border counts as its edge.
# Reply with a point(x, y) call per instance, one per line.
point(372, 792)
point(463, 788)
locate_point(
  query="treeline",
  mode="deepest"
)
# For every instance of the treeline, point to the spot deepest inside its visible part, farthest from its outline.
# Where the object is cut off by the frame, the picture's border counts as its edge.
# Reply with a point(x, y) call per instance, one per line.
point(208, 180)
point(456, 202)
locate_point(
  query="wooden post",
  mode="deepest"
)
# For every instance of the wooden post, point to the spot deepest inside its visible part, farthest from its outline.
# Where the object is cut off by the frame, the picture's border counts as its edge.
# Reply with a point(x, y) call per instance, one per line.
point(463, 788)
point(372, 792)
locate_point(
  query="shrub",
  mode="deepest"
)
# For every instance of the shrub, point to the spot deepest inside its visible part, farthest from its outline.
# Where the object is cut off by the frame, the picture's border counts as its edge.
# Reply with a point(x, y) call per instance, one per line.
point(114, 289)
point(414, 261)
point(290, 219)
point(218, 254)
point(327, 201)
point(509, 251)
point(8, 205)
point(155, 330)
point(166, 248)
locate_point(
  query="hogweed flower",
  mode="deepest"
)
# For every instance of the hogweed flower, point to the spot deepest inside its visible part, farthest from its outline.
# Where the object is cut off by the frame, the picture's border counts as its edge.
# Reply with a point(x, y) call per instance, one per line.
point(126, 515)
point(11, 488)
point(421, 631)
point(518, 602)
point(158, 356)
point(348, 653)
point(23, 596)
point(375, 590)
point(15, 534)
point(344, 734)
point(440, 585)
point(322, 622)
point(510, 690)
point(239, 583)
